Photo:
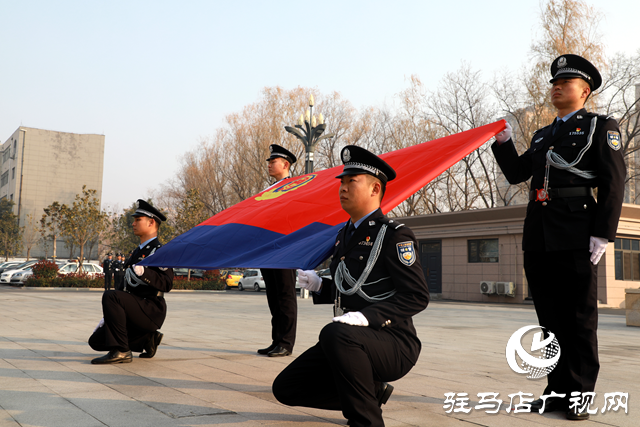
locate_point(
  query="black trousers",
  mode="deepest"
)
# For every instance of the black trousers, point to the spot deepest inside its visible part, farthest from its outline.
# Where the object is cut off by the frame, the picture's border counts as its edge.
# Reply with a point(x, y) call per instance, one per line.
point(125, 328)
point(564, 289)
point(281, 297)
point(344, 372)
point(107, 281)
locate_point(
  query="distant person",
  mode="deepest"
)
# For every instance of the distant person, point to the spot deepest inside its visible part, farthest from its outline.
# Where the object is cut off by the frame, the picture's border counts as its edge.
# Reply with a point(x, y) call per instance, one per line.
point(118, 272)
point(107, 268)
point(377, 286)
point(133, 316)
point(566, 229)
point(281, 283)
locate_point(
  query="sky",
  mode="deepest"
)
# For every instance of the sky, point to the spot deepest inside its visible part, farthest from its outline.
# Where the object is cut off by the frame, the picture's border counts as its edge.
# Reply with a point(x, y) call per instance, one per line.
point(156, 77)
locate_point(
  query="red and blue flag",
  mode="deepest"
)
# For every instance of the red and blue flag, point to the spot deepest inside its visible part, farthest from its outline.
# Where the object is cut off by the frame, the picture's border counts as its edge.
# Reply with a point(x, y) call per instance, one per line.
point(294, 224)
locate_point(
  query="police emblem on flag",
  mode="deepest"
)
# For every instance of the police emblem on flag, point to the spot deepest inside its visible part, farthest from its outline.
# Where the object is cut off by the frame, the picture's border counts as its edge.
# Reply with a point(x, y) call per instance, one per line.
point(406, 253)
point(613, 138)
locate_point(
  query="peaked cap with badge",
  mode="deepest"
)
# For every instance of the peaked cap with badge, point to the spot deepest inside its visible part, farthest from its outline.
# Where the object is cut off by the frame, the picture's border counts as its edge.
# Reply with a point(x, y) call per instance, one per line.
point(278, 151)
point(359, 161)
point(145, 209)
point(569, 66)
point(375, 271)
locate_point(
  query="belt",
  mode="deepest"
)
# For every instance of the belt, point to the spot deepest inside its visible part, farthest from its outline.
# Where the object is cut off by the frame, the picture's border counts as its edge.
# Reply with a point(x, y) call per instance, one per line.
point(159, 294)
point(559, 193)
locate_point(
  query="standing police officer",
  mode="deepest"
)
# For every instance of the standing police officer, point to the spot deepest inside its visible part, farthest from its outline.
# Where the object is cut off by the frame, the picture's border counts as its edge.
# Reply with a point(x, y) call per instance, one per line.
point(118, 272)
point(132, 317)
point(377, 286)
point(566, 230)
point(280, 284)
point(107, 268)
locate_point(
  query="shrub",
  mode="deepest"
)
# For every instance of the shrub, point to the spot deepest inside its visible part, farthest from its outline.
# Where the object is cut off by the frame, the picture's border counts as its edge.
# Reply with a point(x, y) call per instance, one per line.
point(45, 269)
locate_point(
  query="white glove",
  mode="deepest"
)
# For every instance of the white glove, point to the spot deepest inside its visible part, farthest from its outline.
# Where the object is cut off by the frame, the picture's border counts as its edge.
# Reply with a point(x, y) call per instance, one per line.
point(597, 246)
point(138, 269)
point(310, 280)
point(354, 318)
point(505, 135)
point(100, 324)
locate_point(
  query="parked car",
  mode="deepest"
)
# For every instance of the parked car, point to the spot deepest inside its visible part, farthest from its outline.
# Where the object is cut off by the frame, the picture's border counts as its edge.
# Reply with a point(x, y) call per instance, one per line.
point(9, 265)
point(5, 277)
point(20, 277)
point(233, 277)
point(185, 272)
point(87, 267)
point(252, 279)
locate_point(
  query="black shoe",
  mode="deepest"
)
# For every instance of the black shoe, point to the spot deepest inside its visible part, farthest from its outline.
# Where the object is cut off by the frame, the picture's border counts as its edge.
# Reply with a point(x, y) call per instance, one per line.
point(114, 356)
point(279, 352)
point(152, 345)
point(552, 404)
point(266, 350)
point(384, 393)
point(572, 414)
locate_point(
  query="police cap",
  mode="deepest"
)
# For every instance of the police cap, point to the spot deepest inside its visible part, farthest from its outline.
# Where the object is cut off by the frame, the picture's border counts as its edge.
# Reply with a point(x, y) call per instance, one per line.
point(569, 66)
point(145, 209)
point(278, 151)
point(359, 161)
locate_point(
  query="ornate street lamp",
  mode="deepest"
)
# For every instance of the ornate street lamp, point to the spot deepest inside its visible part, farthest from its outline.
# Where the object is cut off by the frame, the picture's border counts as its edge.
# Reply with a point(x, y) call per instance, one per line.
point(309, 131)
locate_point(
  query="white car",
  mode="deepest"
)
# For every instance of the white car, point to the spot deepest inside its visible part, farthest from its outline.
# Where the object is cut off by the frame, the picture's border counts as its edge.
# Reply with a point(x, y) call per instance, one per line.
point(21, 276)
point(89, 268)
point(5, 277)
point(252, 279)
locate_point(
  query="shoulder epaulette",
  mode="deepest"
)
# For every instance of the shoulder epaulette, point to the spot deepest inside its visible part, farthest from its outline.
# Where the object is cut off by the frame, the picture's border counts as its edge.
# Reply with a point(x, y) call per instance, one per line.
point(390, 222)
point(537, 131)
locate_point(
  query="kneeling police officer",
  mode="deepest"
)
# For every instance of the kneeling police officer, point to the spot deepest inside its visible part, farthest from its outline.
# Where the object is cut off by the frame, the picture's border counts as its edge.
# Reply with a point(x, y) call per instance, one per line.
point(133, 316)
point(377, 286)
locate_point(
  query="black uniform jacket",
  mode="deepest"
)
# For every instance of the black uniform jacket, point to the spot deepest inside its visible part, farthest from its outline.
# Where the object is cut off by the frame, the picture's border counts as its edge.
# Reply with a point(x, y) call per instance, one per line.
point(107, 266)
point(567, 223)
point(156, 279)
point(390, 272)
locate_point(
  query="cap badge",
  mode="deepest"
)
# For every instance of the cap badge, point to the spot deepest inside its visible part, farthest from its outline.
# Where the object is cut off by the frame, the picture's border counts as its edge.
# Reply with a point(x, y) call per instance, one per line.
point(562, 62)
point(346, 155)
point(270, 149)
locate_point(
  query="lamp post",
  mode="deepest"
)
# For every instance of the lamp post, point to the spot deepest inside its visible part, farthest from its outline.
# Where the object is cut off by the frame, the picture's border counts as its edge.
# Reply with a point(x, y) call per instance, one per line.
point(309, 131)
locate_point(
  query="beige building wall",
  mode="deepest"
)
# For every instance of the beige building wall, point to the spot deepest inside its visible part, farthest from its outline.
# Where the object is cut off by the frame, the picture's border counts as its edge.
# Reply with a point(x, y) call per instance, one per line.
point(461, 279)
point(41, 166)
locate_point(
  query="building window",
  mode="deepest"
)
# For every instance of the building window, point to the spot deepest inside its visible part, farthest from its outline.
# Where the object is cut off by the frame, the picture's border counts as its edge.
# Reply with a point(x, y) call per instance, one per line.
point(483, 250)
point(4, 180)
point(13, 173)
point(627, 256)
point(11, 198)
point(6, 154)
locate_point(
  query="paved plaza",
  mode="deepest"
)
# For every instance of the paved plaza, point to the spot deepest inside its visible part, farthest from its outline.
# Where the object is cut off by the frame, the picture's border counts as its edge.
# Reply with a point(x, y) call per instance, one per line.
point(207, 372)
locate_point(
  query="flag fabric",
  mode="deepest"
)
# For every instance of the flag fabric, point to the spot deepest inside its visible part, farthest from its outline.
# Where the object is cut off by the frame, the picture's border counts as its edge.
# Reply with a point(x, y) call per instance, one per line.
point(294, 223)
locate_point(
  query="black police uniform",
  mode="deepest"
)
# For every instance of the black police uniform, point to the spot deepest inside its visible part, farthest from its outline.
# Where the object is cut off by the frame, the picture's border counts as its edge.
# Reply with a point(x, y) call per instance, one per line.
point(107, 269)
point(118, 275)
point(281, 291)
point(346, 369)
point(132, 316)
point(557, 232)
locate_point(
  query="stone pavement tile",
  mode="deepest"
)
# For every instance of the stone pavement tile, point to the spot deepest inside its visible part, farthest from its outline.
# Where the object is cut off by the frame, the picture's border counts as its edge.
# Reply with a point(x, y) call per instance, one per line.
point(6, 420)
point(42, 408)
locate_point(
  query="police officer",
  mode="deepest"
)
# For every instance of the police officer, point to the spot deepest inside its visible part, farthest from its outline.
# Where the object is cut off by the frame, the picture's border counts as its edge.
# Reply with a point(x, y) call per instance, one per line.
point(280, 284)
point(107, 268)
point(566, 230)
point(118, 272)
point(133, 316)
point(377, 286)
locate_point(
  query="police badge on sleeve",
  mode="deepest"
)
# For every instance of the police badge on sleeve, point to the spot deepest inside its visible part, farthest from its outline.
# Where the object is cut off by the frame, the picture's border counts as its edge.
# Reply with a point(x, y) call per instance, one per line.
point(406, 253)
point(613, 139)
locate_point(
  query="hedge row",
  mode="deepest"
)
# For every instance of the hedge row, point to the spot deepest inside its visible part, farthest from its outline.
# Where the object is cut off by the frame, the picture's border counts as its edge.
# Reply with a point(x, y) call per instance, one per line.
point(81, 281)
